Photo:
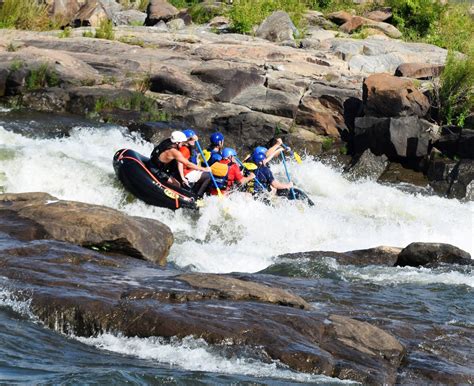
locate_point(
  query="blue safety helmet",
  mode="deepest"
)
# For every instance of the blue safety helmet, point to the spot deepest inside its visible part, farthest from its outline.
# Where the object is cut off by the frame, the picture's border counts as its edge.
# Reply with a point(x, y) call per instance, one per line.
point(228, 152)
point(258, 157)
point(260, 149)
point(216, 138)
point(189, 133)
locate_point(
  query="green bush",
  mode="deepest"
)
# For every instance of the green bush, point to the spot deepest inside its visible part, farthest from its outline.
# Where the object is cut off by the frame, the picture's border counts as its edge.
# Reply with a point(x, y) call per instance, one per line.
point(245, 14)
point(105, 30)
point(88, 34)
point(415, 18)
point(25, 14)
point(454, 30)
point(455, 93)
point(66, 33)
point(41, 77)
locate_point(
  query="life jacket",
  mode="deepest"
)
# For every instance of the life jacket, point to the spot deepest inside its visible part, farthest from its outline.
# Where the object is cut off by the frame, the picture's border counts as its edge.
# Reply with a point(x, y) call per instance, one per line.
point(220, 171)
point(254, 187)
point(170, 168)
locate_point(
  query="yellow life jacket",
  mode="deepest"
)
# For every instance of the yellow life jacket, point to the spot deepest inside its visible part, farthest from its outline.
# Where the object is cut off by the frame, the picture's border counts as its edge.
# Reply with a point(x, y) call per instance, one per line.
point(220, 171)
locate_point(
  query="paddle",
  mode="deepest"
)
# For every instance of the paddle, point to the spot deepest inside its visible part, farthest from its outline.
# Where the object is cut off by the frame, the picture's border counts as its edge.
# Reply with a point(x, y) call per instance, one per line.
point(219, 193)
point(256, 179)
point(288, 175)
point(293, 153)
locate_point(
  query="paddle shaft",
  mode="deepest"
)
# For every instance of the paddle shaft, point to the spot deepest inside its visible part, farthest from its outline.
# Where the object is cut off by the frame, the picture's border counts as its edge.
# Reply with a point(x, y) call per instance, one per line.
point(288, 175)
point(294, 154)
point(219, 193)
point(256, 179)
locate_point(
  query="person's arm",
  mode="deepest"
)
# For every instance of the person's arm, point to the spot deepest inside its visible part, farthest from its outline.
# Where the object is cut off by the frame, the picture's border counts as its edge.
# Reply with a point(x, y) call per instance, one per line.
point(281, 185)
point(182, 159)
point(275, 150)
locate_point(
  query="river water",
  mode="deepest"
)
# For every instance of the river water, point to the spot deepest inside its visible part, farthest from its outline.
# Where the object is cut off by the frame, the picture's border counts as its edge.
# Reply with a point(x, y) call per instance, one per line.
point(240, 235)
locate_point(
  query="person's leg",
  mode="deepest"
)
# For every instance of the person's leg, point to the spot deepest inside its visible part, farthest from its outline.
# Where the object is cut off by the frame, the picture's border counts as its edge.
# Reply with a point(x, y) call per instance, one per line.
point(202, 184)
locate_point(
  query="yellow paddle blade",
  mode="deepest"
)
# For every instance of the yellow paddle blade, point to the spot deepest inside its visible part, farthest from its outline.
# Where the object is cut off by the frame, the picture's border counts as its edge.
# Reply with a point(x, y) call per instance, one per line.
point(297, 157)
point(219, 193)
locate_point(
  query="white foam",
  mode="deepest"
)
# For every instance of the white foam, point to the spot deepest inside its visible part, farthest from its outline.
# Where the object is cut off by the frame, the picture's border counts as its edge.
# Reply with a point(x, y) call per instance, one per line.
point(240, 234)
point(409, 275)
point(11, 300)
point(196, 355)
point(4, 109)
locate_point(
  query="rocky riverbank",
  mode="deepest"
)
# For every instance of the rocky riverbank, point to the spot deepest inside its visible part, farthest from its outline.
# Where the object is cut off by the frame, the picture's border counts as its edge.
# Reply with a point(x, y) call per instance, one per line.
point(365, 101)
point(100, 288)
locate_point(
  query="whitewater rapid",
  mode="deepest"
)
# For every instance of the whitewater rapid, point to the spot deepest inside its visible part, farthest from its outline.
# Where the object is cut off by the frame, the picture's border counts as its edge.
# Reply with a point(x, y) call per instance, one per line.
point(237, 234)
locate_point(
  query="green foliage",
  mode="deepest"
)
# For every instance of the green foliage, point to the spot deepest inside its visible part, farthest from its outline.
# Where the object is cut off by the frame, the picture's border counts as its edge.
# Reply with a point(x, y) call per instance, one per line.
point(11, 47)
point(182, 3)
point(201, 14)
point(327, 143)
point(142, 5)
point(105, 30)
point(66, 33)
point(136, 23)
point(25, 14)
point(16, 65)
point(88, 34)
point(245, 14)
point(454, 30)
point(415, 18)
point(132, 40)
point(136, 102)
point(41, 77)
point(455, 94)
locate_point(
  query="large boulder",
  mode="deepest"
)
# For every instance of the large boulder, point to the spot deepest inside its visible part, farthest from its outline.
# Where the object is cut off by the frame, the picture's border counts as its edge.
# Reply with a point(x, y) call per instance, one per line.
point(388, 96)
point(277, 27)
point(90, 226)
point(93, 13)
point(368, 166)
point(171, 80)
point(129, 16)
point(456, 142)
point(94, 293)
point(453, 179)
point(381, 14)
point(429, 254)
point(160, 10)
point(404, 137)
point(356, 22)
point(419, 70)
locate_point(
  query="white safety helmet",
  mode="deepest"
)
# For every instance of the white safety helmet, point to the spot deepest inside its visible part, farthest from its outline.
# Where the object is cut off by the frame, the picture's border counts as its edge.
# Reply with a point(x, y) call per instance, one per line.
point(178, 136)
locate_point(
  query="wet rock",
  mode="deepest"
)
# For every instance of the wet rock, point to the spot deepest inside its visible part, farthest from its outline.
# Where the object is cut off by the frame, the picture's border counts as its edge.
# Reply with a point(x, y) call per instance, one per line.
point(453, 179)
point(235, 289)
point(369, 166)
point(82, 292)
point(388, 96)
point(160, 10)
point(382, 255)
point(419, 70)
point(456, 142)
point(432, 254)
point(396, 173)
point(92, 225)
point(277, 27)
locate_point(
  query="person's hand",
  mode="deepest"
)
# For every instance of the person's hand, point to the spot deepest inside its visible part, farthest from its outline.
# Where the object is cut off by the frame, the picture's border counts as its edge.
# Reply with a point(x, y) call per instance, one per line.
point(252, 176)
point(279, 141)
point(186, 182)
point(290, 185)
point(207, 169)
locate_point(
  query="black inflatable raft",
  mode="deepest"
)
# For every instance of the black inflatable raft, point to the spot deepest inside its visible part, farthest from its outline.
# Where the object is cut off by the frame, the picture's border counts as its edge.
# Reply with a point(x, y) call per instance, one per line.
point(133, 171)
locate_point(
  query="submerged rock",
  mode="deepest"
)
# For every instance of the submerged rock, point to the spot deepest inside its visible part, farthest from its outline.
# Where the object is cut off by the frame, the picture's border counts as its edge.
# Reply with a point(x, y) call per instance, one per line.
point(88, 225)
